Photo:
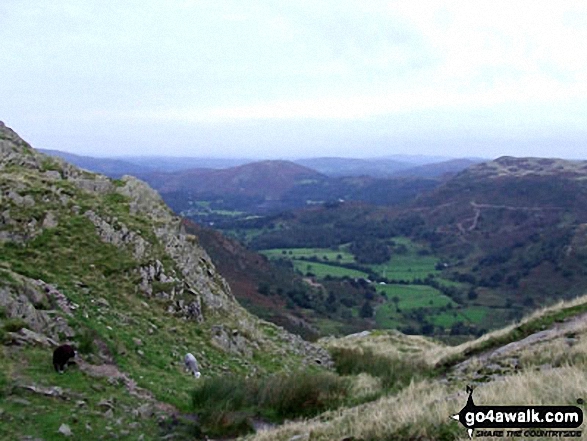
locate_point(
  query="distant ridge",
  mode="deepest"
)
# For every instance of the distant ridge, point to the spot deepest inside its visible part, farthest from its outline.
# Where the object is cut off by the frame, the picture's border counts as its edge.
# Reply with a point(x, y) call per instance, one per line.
point(437, 169)
point(267, 179)
point(338, 167)
point(110, 167)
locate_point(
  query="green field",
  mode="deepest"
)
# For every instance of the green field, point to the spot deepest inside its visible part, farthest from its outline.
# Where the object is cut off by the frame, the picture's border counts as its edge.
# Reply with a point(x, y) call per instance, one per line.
point(409, 297)
point(407, 267)
point(415, 296)
point(386, 316)
point(322, 254)
point(321, 270)
point(409, 262)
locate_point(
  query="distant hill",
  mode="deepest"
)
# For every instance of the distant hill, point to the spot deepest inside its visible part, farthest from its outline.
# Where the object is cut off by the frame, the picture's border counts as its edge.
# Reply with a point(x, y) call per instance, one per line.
point(266, 179)
point(338, 167)
point(389, 166)
point(273, 186)
point(111, 167)
point(173, 163)
point(438, 169)
point(516, 226)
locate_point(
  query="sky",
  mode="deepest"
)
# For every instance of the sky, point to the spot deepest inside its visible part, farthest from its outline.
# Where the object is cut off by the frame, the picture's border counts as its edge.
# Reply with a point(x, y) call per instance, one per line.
point(296, 78)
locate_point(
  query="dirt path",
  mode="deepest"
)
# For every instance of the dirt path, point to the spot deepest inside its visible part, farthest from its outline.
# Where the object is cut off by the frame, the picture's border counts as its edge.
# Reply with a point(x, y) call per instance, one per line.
point(112, 371)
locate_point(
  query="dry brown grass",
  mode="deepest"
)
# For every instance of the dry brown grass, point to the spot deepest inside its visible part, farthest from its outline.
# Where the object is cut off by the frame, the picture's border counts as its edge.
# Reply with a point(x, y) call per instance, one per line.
point(552, 373)
point(422, 410)
point(415, 412)
point(391, 343)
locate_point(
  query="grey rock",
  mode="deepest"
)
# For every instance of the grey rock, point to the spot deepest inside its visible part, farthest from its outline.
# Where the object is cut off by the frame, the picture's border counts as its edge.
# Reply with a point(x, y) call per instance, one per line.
point(106, 404)
point(97, 387)
point(230, 341)
point(50, 221)
point(27, 337)
point(52, 175)
point(65, 430)
point(103, 302)
point(145, 411)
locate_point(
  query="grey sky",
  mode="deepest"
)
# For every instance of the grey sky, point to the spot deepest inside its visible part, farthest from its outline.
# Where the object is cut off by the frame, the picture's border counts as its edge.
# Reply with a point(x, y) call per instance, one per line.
point(296, 78)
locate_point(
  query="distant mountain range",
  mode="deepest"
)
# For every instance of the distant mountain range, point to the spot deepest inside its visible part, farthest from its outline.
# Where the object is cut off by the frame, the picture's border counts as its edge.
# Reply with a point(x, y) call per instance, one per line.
point(209, 189)
point(395, 165)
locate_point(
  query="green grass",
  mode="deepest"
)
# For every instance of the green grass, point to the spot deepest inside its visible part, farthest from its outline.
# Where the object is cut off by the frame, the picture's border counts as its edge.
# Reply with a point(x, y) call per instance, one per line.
point(412, 297)
point(387, 317)
point(322, 270)
point(407, 267)
point(448, 318)
point(322, 254)
point(43, 415)
point(476, 314)
point(415, 296)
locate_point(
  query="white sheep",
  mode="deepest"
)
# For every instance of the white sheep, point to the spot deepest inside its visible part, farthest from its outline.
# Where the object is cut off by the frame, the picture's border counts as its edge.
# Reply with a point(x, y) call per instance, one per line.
point(191, 365)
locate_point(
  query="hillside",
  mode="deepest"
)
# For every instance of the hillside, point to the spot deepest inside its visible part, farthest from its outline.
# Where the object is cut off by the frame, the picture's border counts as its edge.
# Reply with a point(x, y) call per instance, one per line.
point(258, 284)
point(481, 249)
point(516, 226)
point(104, 264)
point(343, 167)
point(113, 168)
point(438, 169)
point(219, 192)
point(538, 361)
point(266, 179)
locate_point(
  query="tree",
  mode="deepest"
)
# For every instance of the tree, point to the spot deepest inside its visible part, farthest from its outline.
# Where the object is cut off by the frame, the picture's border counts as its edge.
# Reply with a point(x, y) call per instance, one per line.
point(395, 299)
point(264, 289)
point(366, 310)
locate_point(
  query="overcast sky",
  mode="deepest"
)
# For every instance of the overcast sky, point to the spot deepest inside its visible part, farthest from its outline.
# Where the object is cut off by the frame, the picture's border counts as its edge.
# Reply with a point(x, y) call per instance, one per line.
point(296, 78)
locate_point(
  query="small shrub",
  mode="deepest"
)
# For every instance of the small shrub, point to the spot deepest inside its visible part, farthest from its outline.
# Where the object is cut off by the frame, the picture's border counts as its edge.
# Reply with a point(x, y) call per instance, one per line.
point(301, 393)
point(86, 342)
point(394, 373)
point(226, 405)
point(3, 384)
point(14, 324)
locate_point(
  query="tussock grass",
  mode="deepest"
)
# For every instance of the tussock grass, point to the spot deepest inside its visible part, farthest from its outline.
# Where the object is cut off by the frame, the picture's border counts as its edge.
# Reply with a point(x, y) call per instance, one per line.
point(422, 410)
point(394, 372)
point(226, 405)
point(552, 372)
point(414, 413)
point(388, 343)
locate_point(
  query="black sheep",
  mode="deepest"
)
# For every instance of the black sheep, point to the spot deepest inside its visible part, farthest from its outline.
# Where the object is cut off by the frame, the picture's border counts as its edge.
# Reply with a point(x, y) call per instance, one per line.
point(61, 356)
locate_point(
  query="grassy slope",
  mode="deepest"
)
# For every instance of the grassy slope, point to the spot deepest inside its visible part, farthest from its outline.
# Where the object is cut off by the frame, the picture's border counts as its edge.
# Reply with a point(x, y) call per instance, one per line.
point(126, 328)
point(549, 370)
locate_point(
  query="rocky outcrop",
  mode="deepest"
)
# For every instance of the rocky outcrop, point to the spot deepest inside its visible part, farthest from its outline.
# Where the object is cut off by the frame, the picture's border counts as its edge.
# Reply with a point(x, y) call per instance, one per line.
point(116, 233)
point(30, 302)
point(39, 193)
